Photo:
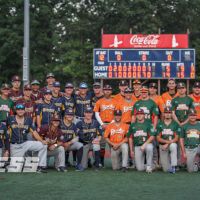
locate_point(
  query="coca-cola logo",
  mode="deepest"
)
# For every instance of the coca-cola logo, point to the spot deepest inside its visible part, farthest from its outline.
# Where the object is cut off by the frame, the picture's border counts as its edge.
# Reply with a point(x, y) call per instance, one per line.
point(144, 40)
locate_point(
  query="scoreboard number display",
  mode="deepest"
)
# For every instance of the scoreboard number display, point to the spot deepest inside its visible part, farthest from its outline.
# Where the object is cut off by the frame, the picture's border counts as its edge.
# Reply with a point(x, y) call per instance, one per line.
point(144, 63)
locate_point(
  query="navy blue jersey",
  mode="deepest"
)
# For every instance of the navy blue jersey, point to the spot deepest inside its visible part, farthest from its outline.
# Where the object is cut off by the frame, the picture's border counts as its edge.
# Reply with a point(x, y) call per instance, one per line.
point(46, 112)
point(87, 132)
point(95, 99)
point(68, 102)
point(69, 132)
point(4, 137)
point(58, 102)
point(81, 103)
point(18, 132)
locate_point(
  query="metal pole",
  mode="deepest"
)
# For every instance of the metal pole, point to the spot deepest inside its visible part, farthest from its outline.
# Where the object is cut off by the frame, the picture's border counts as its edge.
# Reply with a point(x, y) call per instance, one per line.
point(26, 69)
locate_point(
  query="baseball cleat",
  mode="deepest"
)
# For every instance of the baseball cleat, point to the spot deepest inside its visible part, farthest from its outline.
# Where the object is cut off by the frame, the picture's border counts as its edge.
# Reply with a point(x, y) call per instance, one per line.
point(149, 169)
point(61, 169)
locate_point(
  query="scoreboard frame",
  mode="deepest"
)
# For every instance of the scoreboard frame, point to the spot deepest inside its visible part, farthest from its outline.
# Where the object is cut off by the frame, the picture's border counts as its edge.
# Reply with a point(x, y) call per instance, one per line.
point(146, 61)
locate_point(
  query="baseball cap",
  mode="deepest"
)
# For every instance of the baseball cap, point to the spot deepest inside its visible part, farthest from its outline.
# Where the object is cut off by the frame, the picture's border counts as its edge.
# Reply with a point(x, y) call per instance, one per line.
point(27, 87)
point(168, 110)
point(181, 85)
point(50, 75)
point(144, 89)
point(16, 78)
point(56, 84)
point(20, 106)
point(69, 112)
point(128, 90)
point(154, 85)
point(69, 85)
point(192, 112)
point(123, 83)
point(88, 109)
point(137, 81)
point(35, 82)
point(5, 86)
point(107, 87)
point(55, 118)
point(97, 85)
point(196, 84)
point(140, 111)
point(47, 91)
point(118, 112)
point(83, 85)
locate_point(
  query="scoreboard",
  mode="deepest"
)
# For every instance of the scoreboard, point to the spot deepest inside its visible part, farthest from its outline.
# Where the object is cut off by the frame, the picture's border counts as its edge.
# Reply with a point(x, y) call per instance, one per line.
point(144, 63)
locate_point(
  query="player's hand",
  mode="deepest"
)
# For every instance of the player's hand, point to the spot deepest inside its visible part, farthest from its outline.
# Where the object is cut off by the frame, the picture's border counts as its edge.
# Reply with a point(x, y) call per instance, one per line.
point(52, 147)
point(116, 146)
point(104, 126)
point(5, 155)
point(132, 154)
point(184, 156)
point(143, 147)
point(66, 145)
point(38, 129)
point(95, 141)
point(44, 142)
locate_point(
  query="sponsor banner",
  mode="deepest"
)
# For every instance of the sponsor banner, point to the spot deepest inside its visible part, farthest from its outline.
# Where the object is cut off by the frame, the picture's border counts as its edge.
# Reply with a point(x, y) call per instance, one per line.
point(145, 41)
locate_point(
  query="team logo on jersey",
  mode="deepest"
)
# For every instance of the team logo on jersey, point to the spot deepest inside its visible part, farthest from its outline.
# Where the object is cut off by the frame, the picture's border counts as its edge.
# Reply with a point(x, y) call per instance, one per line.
point(127, 108)
point(116, 131)
point(140, 133)
point(193, 133)
point(167, 132)
point(107, 107)
point(4, 108)
point(182, 107)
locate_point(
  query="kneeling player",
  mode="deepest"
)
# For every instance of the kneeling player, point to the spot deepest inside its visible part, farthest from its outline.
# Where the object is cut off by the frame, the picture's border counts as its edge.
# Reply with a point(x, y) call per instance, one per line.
point(70, 138)
point(115, 136)
point(89, 132)
point(189, 140)
point(168, 132)
point(141, 134)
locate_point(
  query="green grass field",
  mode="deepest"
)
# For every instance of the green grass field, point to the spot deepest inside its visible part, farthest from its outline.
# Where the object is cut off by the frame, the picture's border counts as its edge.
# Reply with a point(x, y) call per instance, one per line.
point(105, 185)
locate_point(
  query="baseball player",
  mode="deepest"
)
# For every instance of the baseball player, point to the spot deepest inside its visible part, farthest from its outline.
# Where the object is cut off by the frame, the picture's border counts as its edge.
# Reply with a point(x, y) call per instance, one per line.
point(123, 84)
point(190, 140)
point(98, 94)
point(141, 135)
point(6, 104)
point(18, 127)
point(181, 105)
point(53, 136)
point(4, 141)
point(170, 94)
point(115, 135)
point(70, 139)
point(68, 98)
point(168, 132)
point(50, 79)
point(89, 132)
point(36, 94)
point(137, 90)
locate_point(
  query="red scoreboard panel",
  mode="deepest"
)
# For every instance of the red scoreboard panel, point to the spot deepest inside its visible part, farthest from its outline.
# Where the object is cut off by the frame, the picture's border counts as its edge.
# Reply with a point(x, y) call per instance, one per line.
point(144, 63)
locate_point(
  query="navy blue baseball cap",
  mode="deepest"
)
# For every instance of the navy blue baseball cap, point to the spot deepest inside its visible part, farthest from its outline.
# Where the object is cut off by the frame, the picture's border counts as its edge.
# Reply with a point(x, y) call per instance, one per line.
point(20, 106)
point(69, 85)
point(83, 85)
point(47, 91)
point(69, 112)
point(56, 84)
point(88, 109)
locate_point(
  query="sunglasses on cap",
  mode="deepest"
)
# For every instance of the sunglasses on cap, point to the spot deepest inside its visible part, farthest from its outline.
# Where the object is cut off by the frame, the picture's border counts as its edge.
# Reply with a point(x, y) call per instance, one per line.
point(20, 107)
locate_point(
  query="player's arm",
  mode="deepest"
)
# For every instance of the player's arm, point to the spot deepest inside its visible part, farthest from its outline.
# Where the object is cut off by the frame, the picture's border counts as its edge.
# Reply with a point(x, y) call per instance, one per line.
point(182, 141)
point(133, 118)
point(175, 117)
point(37, 137)
point(38, 116)
point(161, 140)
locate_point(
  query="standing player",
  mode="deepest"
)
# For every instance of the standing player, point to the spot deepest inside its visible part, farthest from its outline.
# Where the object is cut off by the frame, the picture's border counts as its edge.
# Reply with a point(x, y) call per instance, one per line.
point(89, 132)
point(70, 139)
point(190, 140)
point(68, 99)
point(123, 84)
point(137, 90)
point(171, 93)
point(19, 126)
point(168, 132)
point(36, 95)
point(181, 105)
point(141, 135)
point(115, 135)
point(6, 104)
point(15, 92)
point(50, 79)
point(97, 93)
point(104, 113)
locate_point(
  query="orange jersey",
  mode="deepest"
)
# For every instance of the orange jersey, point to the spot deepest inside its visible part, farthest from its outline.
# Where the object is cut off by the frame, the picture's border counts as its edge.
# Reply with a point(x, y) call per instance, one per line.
point(118, 97)
point(159, 102)
point(196, 102)
point(106, 108)
point(116, 133)
point(136, 98)
point(126, 108)
point(167, 98)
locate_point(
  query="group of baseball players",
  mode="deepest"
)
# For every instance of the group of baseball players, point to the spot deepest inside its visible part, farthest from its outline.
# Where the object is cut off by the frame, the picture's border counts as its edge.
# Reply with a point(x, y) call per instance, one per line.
point(137, 127)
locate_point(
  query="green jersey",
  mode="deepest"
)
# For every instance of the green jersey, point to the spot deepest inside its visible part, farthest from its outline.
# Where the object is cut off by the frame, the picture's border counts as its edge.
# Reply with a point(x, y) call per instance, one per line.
point(181, 106)
point(140, 132)
point(191, 135)
point(168, 132)
point(5, 108)
point(149, 106)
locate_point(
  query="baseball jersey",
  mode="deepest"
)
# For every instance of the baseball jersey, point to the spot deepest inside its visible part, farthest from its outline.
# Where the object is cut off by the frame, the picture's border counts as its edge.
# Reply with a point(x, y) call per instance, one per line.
point(149, 107)
point(191, 135)
point(6, 108)
point(126, 108)
point(36, 96)
point(95, 99)
point(68, 102)
point(15, 95)
point(116, 132)
point(167, 98)
point(106, 108)
point(140, 132)
point(46, 111)
point(136, 98)
point(88, 132)
point(18, 132)
point(196, 103)
point(69, 132)
point(159, 102)
point(118, 97)
point(168, 132)
point(81, 104)
point(4, 137)
point(58, 102)
point(181, 106)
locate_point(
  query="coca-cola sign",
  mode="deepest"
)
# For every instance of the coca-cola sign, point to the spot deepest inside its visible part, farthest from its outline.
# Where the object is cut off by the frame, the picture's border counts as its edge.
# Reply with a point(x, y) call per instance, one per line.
point(144, 41)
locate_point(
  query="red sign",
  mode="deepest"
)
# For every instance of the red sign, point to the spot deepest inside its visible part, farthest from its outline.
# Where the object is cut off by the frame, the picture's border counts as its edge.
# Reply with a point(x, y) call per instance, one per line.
point(145, 41)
